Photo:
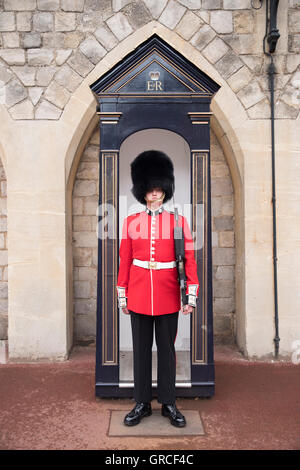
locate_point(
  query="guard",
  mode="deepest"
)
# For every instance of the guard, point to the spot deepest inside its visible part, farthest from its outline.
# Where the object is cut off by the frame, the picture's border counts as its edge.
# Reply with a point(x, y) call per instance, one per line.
point(148, 287)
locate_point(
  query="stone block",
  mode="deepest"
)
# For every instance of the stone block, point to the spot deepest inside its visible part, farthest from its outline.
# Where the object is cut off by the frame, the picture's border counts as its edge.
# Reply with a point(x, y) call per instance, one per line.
point(31, 40)
point(239, 79)
point(82, 256)
point(91, 152)
point(40, 56)
point(46, 110)
point(215, 50)
point(19, 5)
point(42, 22)
point(237, 4)
point(5, 74)
point(294, 43)
point(90, 205)
point(219, 169)
point(203, 37)
point(216, 206)
point(3, 257)
point(221, 186)
point(88, 170)
point(227, 205)
point(228, 64)
point(65, 21)
point(225, 273)
point(243, 22)
point(120, 26)
point(250, 94)
point(85, 239)
point(226, 238)
point(117, 5)
point(3, 337)
point(44, 75)
point(221, 21)
point(57, 94)
point(155, 7)
point(84, 188)
point(191, 4)
point(10, 40)
point(82, 289)
point(223, 223)
point(223, 256)
point(24, 21)
point(294, 21)
point(106, 37)
point(14, 93)
point(3, 188)
point(77, 206)
point(23, 110)
point(26, 74)
point(3, 306)
point(13, 56)
point(85, 306)
point(68, 78)
point(188, 25)
point(211, 4)
point(223, 324)
point(49, 5)
point(172, 14)
point(261, 110)
point(285, 111)
point(91, 48)
point(80, 63)
point(35, 93)
point(137, 14)
point(72, 5)
point(292, 62)
point(87, 273)
point(85, 324)
point(241, 43)
point(223, 288)
point(61, 55)
point(253, 62)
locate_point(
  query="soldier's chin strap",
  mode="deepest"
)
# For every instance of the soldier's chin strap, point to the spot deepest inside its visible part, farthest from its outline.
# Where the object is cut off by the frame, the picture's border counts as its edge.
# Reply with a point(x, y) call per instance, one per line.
point(179, 254)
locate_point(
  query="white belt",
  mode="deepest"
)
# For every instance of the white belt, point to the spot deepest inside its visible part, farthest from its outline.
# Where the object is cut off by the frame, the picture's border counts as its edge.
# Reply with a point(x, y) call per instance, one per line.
point(154, 264)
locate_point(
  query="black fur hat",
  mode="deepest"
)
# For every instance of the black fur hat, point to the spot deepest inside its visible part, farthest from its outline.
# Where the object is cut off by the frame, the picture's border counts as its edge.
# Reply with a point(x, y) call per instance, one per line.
point(151, 169)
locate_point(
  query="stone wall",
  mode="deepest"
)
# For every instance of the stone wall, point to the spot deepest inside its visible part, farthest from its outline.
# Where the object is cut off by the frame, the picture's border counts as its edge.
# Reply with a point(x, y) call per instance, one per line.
point(85, 202)
point(48, 47)
point(3, 256)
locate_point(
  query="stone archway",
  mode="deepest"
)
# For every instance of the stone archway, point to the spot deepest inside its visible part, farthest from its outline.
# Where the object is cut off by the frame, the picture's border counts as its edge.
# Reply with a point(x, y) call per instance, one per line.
point(224, 125)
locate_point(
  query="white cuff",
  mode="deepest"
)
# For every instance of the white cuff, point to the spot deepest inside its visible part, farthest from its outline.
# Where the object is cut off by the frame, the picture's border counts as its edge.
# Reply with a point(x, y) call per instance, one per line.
point(192, 300)
point(122, 300)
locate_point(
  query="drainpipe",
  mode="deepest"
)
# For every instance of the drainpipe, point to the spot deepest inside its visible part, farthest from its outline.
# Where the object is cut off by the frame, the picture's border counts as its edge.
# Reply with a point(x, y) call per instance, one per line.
point(272, 35)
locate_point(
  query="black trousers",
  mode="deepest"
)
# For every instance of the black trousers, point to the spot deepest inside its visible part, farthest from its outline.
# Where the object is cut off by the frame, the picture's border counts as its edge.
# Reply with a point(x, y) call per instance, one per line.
point(142, 336)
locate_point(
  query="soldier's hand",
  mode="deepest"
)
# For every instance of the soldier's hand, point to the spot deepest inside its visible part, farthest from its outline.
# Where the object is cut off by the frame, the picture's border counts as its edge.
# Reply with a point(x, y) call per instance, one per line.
point(186, 309)
point(125, 310)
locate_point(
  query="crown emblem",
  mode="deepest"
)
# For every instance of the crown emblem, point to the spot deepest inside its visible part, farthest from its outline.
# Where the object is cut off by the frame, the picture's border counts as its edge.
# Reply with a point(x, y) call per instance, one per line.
point(154, 74)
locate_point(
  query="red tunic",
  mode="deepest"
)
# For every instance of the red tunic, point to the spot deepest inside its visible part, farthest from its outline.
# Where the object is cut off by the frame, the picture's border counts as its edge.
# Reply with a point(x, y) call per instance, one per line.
point(149, 236)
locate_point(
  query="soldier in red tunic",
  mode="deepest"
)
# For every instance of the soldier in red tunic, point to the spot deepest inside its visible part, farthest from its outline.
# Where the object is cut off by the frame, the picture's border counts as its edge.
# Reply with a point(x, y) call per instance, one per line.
point(148, 287)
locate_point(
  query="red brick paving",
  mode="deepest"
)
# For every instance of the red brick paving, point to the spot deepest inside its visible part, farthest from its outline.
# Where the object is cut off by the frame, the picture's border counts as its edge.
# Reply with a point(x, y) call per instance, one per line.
point(52, 406)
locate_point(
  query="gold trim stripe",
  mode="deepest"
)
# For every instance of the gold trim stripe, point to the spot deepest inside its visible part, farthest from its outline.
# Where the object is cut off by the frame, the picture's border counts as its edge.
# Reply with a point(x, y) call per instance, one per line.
point(154, 50)
point(200, 158)
point(109, 355)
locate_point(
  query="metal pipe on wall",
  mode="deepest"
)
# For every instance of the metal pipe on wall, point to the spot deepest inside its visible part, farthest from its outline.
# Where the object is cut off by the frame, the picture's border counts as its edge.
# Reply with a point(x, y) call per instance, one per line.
point(272, 35)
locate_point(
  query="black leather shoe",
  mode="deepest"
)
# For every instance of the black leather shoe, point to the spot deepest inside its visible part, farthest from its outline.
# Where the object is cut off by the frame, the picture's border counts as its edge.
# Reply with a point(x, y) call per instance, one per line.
point(176, 418)
point(137, 413)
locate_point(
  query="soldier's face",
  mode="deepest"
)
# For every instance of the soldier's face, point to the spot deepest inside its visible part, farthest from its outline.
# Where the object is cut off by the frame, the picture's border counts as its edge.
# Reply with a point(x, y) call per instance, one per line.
point(154, 194)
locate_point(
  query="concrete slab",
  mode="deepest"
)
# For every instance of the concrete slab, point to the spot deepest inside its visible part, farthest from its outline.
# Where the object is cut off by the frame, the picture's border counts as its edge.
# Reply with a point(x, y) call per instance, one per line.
point(156, 425)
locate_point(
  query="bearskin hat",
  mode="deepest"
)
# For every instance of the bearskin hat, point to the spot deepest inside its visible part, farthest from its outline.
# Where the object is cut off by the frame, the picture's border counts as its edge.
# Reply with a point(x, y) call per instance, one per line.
point(151, 169)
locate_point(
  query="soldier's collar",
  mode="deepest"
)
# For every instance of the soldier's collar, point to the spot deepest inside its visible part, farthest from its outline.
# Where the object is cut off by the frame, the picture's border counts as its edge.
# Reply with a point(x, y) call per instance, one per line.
point(158, 211)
